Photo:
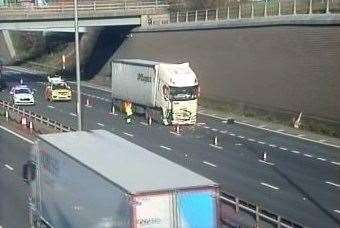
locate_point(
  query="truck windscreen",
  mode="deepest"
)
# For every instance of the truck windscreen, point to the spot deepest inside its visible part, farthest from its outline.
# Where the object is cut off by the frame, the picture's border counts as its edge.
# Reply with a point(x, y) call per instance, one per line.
point(183, 93)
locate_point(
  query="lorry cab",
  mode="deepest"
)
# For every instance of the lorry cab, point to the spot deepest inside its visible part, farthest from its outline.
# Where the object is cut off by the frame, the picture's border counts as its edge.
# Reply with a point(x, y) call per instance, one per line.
point(179, 92)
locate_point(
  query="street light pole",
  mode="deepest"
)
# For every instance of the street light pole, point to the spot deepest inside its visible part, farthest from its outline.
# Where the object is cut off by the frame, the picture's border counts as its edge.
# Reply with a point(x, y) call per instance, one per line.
point(76, 35)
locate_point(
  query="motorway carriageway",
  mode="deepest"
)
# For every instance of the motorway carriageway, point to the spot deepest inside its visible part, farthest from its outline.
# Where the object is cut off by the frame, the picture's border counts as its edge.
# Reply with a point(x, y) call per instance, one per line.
point(300, 180)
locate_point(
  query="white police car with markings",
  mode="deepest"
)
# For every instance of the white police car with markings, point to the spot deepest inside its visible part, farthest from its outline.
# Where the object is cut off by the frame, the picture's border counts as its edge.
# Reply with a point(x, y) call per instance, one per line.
point(22, 95)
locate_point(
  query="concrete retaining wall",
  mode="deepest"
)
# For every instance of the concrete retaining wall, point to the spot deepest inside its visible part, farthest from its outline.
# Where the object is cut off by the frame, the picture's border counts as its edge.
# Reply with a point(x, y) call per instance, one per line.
point(287, 68)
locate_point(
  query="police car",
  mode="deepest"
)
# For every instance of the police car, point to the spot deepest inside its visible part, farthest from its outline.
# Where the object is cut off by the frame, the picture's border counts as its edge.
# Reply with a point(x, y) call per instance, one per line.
point(22, 95)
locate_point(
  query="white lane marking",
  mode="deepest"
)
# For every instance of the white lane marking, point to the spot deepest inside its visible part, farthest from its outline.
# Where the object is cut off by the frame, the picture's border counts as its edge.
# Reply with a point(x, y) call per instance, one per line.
point(215, 146)
point(322, 140)
point(336, 211)
point(238, 144)
point(201, 124)
point(165, 147)
point(210, 164)
point(332, 183)
point(231, 134)
point(143, 123)
point(283, 148)
point(280, 131)
point(272, 145)
point(9, 167)
point(269, 186)
point(322, 159)
point(206, 127)
point(308, 155)
point(251, 140)
point(240, 136)
point(214, 129)
point(335, 163)
point(50, 106)
point(261, 142)
point(295, 151)
point(100, 124)
point(224, 132)
point(16, 134)
point(72, 114)
point(265, 162)
point(128, 134)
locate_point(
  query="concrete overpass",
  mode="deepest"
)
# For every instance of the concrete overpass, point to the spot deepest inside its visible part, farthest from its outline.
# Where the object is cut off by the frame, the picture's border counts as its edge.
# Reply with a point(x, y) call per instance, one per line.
point(61, 17)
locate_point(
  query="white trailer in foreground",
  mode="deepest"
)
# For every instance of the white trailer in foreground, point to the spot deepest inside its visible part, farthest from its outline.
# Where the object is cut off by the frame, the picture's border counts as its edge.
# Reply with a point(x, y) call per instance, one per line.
point(99, 180)
point(163, 91)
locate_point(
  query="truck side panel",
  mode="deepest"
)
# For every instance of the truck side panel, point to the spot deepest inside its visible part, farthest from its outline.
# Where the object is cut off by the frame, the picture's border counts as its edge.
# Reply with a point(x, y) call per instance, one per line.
point(134, 82)
point(74, 196)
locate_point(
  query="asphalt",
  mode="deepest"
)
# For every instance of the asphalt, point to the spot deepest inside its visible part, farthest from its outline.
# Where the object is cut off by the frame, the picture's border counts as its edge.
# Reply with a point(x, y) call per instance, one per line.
point(300, 181)
point(14, 152)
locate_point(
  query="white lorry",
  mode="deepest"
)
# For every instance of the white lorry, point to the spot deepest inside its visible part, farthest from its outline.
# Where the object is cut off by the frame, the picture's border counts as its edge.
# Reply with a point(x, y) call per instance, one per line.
point(164, 92)
point(99, 180)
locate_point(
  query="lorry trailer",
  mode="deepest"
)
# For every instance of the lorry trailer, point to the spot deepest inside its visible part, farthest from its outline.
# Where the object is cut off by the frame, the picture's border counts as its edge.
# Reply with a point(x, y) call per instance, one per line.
point(162, 91)
point(98, 179)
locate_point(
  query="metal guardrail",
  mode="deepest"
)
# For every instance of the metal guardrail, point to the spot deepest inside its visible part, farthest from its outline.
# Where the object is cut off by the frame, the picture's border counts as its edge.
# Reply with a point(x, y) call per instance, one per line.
point(240, 10)
point(33, 116)
point(259, 214)
point(250, 208)
point(89, 9)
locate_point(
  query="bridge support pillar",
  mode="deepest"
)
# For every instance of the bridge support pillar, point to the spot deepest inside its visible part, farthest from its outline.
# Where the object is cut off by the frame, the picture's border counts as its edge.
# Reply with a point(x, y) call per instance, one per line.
point(252, 10)
point(239, 11)
point(228, 13)
point(327, 6)
point(310, 7)
point(265, 9)
point(294, 8)
point(279, 6)
point(9, 44)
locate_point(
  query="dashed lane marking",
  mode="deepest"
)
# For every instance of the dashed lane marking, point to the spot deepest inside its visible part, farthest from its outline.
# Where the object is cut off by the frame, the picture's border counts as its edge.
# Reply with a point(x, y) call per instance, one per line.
point(270, 186)
point(308, 155)
point(272, 145)
point(72, 114)
point(165, 147)
point(265, 162)
point(201, 124)
point(238, 144)
point(251, 140)
point(336, 211)
point(280, 130)
point(143, 123)
point(261, 142)
point(283, 148)
point(100, 124)
point(332, 183)
point(216, 146)
point(128, 134)
point(209, 164)
point(9, 167)
point(231, 134)
point(224, 132)
point(240, 136)
point(335, 163)
point(214, 129)
point(322, 159)
point(206, 127)
point(50, 106)
point(295, 151)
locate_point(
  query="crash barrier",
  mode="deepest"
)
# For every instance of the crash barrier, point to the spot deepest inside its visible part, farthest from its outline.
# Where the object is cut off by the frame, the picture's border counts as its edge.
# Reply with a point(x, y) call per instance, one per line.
point(90, 9)
point(260, 215)
point(30, 116)
point(257, 9)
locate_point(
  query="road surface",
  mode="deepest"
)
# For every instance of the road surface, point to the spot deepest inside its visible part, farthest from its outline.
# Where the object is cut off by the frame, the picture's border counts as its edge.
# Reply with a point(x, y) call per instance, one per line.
point(299, 181)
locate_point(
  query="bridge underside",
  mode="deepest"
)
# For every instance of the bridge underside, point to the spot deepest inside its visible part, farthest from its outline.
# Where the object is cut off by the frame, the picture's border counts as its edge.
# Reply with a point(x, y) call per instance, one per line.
point(67, 25)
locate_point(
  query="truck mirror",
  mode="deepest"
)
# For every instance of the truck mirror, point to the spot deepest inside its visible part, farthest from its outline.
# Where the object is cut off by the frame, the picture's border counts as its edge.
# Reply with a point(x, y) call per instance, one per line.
point(29, 171)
